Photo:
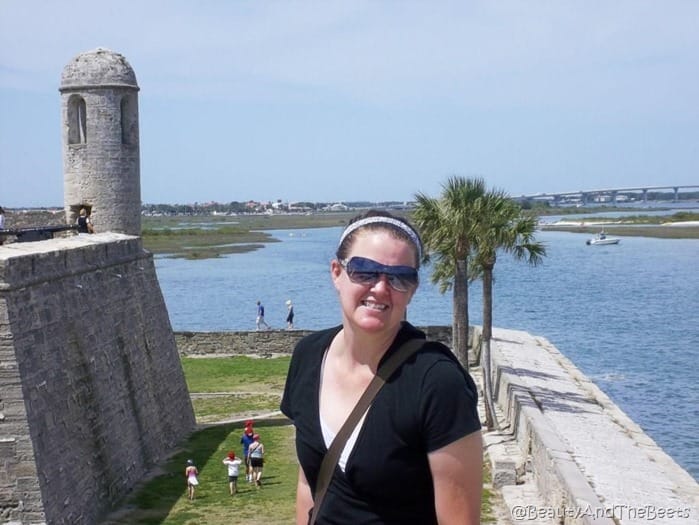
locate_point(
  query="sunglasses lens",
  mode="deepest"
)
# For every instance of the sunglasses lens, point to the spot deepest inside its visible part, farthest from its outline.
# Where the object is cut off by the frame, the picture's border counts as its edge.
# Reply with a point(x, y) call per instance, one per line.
point(368, 272)
point(401, 283)
point(366, 278)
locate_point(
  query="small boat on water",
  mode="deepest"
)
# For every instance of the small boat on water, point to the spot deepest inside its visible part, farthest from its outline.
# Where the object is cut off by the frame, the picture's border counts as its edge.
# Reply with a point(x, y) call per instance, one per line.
point(601, 238)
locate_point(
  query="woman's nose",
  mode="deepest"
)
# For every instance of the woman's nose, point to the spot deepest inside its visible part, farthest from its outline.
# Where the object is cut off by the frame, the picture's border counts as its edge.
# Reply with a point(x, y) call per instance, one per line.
point(382, 283)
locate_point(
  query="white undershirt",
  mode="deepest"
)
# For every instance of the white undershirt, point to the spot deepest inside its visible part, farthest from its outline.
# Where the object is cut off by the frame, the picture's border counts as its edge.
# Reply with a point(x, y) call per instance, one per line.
point(329, 435)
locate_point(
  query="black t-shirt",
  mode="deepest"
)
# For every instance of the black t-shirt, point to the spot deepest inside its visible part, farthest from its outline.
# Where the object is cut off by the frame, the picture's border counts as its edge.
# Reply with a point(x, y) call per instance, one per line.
point(82, 224)
point(428, 403)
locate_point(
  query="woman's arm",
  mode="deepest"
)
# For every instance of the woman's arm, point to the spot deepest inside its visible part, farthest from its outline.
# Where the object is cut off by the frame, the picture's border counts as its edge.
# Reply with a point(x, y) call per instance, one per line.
point(304, 499)
point(457, 473)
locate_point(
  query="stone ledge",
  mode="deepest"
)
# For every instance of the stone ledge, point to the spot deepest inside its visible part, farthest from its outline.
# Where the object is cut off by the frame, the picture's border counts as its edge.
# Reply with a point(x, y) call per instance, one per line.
point(557, 477)
point(32, 263)
point(590, 463)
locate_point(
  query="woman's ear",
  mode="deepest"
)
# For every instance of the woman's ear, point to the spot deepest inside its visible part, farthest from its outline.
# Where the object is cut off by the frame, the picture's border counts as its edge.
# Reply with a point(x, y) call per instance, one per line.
point(335, 272)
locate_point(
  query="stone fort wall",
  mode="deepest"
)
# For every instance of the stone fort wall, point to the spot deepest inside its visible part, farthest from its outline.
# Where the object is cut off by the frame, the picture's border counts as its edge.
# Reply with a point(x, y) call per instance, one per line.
point(92, 393)
point(265, 341)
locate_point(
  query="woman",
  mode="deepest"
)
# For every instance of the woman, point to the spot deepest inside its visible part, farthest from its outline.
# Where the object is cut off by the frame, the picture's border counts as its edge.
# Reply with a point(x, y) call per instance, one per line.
point(416, 456)
point(190, 473)
point(257, 454)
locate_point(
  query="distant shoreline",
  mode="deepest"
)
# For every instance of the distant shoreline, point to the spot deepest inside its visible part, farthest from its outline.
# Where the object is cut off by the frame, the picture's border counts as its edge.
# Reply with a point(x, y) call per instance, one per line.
point(242, 233)
point(680, 230)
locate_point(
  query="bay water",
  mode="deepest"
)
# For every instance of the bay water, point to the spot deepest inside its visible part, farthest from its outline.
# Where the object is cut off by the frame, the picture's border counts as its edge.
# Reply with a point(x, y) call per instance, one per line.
point(627, 315)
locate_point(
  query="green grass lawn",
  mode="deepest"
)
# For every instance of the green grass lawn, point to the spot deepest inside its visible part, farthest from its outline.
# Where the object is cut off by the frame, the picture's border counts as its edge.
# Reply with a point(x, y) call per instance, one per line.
point(231, 388)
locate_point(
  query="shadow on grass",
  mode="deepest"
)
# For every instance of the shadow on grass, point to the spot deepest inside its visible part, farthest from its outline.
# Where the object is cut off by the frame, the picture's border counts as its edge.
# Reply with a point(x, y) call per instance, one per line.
point(163, 499)
point(153, 502)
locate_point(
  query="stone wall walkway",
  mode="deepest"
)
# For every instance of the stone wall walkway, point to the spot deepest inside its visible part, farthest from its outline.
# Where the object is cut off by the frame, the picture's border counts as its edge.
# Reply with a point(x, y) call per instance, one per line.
point(584, 459)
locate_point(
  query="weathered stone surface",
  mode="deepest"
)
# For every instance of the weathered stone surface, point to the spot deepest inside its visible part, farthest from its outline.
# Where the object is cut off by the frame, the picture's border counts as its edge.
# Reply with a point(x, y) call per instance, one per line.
point(588, 461)
point(92, 391)
point(101, 152)
point(264, 341)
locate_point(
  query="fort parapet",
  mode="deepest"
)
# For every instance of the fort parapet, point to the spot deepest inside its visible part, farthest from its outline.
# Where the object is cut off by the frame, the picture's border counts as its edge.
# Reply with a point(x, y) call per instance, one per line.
point(92, 393)
point(264, 341)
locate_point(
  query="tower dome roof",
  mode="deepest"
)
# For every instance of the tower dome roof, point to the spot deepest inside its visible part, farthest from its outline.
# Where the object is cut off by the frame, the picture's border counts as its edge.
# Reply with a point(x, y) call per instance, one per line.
point(99, 67)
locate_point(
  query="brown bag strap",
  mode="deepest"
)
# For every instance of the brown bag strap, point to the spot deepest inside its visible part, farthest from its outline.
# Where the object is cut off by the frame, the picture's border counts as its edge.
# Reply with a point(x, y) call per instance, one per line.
point(327, 467)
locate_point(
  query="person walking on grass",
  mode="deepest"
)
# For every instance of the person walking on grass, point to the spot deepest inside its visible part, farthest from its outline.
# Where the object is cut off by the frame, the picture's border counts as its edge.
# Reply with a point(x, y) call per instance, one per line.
point(246, 440)
point(190, 473)
point(257, 454)
point(233, 463)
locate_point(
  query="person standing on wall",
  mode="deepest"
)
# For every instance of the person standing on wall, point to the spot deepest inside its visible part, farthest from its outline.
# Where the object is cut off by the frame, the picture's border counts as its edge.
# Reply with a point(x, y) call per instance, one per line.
point(84, 222)
point(289, 315)
point(260, 320)
point(2, 224)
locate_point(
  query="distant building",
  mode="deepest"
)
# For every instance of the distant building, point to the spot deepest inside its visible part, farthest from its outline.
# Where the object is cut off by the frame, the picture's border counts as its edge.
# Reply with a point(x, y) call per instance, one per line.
point(337, 207)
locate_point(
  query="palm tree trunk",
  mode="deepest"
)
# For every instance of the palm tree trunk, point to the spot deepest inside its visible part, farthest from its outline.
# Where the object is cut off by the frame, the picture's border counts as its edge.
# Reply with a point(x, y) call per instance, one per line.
point(460, 321)
point(490, 417)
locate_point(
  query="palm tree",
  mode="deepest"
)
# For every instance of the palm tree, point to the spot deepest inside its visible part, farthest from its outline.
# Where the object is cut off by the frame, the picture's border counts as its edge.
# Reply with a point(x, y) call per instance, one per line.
point(502, 226)
point(447, 228)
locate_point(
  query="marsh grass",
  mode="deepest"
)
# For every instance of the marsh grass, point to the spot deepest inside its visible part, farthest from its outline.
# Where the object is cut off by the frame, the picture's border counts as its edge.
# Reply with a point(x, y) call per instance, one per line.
point(655, 231)
point(231, 388)
point(200, 243)
point(636, 226)
point(211, 236)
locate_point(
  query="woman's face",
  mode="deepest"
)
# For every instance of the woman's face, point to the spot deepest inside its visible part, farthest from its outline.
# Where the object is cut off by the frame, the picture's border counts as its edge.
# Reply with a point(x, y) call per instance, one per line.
point(377, 307)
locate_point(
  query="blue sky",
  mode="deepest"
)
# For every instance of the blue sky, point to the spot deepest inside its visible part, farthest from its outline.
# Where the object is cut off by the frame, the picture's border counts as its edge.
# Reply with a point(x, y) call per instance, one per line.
point(364, 100)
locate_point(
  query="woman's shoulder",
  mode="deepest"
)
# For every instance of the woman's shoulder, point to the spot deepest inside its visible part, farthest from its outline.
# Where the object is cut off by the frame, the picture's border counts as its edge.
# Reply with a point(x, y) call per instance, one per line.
point(313, 346)
point(321, 338)
point(433, 349)
point(433, 358)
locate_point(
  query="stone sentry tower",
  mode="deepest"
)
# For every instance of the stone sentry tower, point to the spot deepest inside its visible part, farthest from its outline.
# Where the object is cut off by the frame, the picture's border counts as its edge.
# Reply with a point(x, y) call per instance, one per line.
point(101, 158)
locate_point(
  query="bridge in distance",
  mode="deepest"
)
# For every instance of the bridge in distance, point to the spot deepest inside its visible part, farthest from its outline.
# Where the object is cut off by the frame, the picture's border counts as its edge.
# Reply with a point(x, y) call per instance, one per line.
point(605, 195)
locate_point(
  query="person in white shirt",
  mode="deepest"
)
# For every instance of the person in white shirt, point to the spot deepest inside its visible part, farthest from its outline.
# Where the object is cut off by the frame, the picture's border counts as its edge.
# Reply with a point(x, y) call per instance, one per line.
point(233, 464)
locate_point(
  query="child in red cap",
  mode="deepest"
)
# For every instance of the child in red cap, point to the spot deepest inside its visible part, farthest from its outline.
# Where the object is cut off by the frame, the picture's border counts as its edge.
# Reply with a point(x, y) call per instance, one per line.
point(247, 440)
point(233, 463)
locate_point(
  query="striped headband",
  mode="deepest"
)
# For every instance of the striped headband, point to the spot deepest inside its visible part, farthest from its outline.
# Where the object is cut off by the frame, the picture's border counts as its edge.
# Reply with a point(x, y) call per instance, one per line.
point(378, 219)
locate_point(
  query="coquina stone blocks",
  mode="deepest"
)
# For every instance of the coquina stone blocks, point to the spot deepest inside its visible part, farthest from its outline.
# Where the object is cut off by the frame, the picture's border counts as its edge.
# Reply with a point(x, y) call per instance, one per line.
point(92, 393)
point(101, 152)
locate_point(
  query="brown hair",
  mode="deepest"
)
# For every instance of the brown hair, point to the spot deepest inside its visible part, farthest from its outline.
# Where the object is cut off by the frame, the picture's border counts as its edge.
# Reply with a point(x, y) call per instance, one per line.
point(397, 232)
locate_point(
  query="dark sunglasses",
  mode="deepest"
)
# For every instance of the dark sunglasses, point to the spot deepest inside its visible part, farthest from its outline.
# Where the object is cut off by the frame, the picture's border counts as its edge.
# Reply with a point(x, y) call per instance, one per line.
point(367, 273)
